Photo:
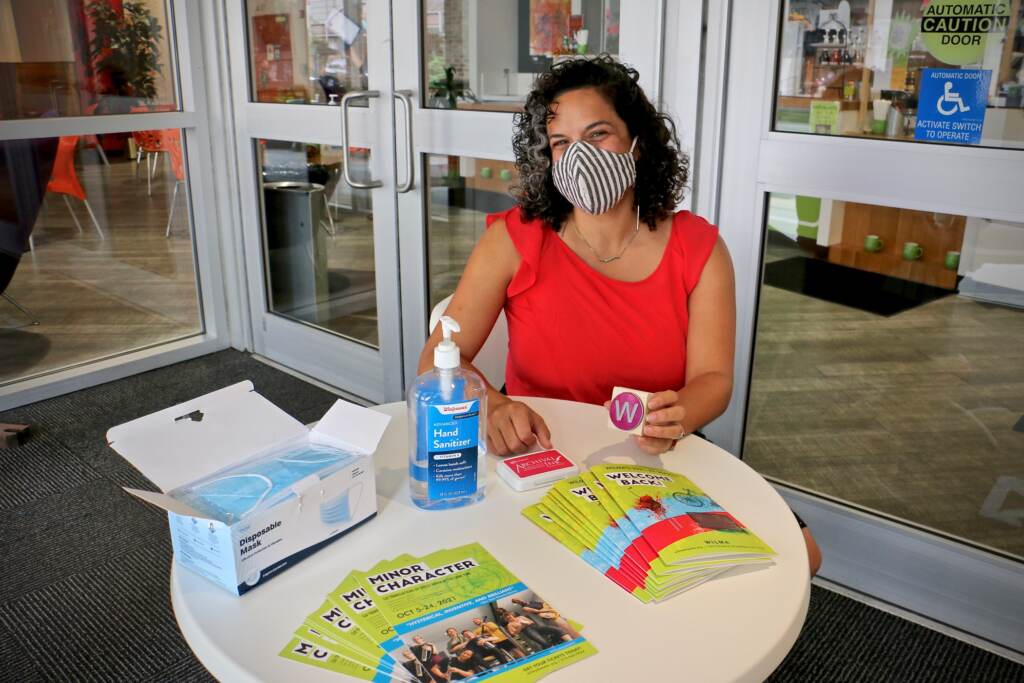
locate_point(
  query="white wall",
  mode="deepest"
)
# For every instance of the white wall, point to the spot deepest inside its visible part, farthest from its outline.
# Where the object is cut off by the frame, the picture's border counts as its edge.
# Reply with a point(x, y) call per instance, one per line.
point(496, 36)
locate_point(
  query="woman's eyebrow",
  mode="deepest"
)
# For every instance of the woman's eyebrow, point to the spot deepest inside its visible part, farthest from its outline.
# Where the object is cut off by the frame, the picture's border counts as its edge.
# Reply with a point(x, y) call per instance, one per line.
point(592, 125)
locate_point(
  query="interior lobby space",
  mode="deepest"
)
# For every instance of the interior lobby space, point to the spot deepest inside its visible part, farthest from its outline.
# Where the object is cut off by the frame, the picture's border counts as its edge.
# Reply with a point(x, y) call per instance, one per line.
point(93, 289)
point(900, 401)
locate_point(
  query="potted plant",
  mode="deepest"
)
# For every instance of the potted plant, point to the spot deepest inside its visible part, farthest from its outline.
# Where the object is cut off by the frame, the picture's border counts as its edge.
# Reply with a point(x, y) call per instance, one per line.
point(125, 48)
point(445, 92)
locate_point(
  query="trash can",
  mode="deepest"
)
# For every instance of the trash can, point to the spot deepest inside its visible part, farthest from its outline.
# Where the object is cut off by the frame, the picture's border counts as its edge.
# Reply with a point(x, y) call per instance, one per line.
point(296, 248)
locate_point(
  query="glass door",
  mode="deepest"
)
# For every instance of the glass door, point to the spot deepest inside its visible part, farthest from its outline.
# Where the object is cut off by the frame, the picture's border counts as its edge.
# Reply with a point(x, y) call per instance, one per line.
point(315, 121)
point(467, 70)
point(871, 200)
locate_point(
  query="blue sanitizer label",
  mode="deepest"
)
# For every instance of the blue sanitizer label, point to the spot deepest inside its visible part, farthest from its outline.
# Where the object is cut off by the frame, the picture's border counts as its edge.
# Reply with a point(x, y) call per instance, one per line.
point(453, 432)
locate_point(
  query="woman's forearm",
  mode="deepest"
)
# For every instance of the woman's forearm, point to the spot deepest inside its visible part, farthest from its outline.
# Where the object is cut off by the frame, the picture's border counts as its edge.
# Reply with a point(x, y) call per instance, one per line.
point(704, 398)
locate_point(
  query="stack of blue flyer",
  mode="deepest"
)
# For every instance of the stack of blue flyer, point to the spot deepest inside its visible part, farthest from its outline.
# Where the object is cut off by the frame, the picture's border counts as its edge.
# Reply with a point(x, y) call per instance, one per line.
point(456, 614)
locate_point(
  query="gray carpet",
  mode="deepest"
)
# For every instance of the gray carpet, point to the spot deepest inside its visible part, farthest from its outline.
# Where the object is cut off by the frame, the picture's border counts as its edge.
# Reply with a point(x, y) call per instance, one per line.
point(84, 566)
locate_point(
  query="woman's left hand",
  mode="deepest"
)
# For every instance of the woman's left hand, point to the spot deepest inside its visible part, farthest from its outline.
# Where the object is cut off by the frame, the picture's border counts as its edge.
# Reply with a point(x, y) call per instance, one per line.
point(664, 424)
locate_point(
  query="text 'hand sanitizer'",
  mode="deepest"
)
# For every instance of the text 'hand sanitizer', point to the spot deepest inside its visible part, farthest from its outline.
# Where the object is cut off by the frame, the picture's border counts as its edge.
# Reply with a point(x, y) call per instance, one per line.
point(447, 430)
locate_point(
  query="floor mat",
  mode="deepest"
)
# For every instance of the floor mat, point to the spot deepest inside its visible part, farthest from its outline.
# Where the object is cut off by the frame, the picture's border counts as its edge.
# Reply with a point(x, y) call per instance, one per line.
point(848, 286)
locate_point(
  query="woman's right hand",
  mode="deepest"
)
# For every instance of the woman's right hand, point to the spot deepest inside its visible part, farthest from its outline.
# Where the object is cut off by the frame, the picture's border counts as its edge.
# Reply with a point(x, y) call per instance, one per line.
point(513, 427)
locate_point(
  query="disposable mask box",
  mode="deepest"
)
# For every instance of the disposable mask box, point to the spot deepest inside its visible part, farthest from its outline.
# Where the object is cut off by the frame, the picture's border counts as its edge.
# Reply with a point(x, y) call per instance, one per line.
point(249, 490)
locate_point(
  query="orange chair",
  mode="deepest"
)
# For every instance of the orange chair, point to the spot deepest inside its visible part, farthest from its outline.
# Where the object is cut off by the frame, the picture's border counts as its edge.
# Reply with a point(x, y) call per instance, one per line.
point(150, 143)
point(64, 180)
point(172, 142)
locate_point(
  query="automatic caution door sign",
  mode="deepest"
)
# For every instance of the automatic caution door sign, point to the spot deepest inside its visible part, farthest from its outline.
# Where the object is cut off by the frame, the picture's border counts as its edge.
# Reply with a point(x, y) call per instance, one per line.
point(957, 31)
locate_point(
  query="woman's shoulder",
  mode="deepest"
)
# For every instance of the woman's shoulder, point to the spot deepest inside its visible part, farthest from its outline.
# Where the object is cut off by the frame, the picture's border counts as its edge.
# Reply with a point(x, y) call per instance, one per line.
point(691, 231)
point(525, 238)
point(695, 239)
point(688, 221)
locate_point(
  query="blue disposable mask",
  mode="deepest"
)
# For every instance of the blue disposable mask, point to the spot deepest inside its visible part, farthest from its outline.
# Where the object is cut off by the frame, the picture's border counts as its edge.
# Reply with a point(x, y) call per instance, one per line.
point(260, 483)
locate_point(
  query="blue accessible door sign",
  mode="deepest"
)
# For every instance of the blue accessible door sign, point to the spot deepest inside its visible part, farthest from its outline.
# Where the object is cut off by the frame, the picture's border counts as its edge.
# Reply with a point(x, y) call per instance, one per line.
point(951, 105)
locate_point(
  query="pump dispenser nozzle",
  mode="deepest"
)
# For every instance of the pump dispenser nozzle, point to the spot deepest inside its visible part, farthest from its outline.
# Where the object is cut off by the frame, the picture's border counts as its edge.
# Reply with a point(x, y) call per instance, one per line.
point(446, 353)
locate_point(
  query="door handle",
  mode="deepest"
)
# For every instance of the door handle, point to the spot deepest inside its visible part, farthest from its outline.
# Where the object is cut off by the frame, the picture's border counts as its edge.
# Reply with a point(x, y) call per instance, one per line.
point(345, 159)
point(403, 96)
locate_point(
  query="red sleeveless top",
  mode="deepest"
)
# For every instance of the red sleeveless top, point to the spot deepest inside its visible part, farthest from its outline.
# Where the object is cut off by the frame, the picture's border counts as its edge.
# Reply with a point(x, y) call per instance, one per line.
point(575, 333)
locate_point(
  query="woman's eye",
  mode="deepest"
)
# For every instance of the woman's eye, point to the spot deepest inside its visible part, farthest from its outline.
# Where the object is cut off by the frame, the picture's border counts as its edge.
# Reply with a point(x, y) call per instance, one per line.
point(558, 143)
point(598, 134)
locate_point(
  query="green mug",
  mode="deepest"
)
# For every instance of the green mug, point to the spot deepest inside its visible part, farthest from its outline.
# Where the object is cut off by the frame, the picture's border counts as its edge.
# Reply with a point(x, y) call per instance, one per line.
point(912, 251)
point(873, 243)
point(952, 260)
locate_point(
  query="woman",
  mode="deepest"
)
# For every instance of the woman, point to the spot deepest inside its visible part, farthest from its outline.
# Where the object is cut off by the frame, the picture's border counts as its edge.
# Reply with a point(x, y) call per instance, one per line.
point(602, 282)
point(456, 642)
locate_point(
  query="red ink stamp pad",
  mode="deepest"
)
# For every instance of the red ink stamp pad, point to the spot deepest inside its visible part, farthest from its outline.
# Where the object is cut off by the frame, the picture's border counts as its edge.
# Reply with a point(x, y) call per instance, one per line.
point(533, 470)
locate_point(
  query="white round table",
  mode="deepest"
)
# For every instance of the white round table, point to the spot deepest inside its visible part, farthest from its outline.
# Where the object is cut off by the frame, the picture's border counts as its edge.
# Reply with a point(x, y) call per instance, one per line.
point(737, 628)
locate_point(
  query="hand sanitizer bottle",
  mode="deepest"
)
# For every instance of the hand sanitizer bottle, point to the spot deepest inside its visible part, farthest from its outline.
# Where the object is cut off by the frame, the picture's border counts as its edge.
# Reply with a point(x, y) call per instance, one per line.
point(447, 430)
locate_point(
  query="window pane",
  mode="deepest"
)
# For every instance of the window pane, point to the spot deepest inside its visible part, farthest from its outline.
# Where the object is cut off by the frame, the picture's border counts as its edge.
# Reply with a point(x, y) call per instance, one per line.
point(945, 71)
point(462, 191)
point(318, 238)
point(484, 54)
point(95, 232)
point(888, 369)
point(68, 58)
point(307, 51)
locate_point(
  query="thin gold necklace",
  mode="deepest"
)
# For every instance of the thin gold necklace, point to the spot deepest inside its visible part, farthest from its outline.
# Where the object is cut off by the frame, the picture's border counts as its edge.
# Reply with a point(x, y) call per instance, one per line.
point(624, 248)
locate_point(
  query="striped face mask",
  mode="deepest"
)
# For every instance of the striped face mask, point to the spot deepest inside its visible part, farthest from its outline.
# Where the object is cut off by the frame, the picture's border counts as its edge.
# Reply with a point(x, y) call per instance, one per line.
point(594, 179)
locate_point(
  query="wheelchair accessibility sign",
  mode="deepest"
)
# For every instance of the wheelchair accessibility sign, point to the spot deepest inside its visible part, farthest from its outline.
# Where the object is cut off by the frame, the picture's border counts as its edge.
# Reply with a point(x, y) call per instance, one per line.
point(951, 105)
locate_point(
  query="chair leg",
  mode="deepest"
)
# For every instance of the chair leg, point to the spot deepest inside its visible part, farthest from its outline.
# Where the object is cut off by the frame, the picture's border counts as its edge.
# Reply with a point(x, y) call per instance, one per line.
point(99, 149)
point(170, 216)
point(94, 221)
point(35, 321)
point(72, 212)
point(330, 218)
point(149, 172)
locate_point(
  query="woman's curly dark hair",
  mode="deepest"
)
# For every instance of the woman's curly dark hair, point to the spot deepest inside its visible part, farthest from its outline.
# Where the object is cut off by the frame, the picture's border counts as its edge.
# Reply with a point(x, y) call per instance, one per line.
point(661, 169)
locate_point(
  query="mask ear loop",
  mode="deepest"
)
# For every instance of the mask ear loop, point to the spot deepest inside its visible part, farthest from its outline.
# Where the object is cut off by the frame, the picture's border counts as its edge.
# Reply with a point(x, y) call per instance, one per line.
point(633, 146)
point(266, 480)
point(307, 462)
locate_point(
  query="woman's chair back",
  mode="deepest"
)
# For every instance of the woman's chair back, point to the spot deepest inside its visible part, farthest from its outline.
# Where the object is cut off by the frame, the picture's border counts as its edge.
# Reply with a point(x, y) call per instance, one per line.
point(490, 360)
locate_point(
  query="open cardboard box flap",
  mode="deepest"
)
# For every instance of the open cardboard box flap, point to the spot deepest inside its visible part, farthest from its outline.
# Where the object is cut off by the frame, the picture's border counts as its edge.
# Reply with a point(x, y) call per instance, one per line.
point(188, 441)
point(196, 438)
point(350, 428)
